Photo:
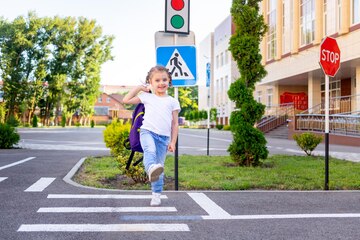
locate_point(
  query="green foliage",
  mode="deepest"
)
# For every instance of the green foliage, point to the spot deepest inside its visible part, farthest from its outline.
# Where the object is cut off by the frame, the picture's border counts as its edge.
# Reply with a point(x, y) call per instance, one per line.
point(78, 124)
point(8, 136)
point(115, 135)
point(13, 121)
point(188, 98)
point(92, 123)
point(2, 113)
point(307, 141)
point(137, 173)
point(227, 127)
point(249, 144)
point(219, 126)
point(63, 120)
point(213, 114)
point(65, 54)
point(35, 121)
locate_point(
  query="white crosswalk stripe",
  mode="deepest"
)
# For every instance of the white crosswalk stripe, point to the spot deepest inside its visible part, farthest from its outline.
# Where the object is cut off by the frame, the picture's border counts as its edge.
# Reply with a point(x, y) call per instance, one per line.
point(104, 228)
point(105, 209)
point(16, 163)
point(2, 178)
point(40, 185)
point(70, 227)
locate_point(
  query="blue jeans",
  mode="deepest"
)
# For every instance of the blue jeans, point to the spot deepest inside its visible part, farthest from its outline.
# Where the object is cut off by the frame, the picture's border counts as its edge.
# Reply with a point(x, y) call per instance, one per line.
point(155, 148)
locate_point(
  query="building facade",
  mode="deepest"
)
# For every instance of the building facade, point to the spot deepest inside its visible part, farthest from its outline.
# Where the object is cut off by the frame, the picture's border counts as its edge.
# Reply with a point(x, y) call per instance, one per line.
point(291, 53)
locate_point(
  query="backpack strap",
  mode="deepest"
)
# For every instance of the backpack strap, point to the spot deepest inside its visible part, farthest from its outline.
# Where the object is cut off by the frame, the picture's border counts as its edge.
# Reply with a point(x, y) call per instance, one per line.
point(129, 160)
point(138, 161)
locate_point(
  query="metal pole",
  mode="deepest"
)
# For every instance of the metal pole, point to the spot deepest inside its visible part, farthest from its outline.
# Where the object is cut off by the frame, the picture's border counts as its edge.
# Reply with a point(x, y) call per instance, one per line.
point(176, 160)
point(326, 132)
point(208, 123)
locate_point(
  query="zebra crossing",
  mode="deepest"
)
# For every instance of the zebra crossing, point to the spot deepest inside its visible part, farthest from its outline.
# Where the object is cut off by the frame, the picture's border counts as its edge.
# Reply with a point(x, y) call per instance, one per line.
point(41, 184)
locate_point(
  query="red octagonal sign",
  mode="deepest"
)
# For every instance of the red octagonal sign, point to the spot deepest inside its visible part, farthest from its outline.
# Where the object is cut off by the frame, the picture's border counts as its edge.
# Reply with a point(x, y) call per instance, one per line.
point(329, 56)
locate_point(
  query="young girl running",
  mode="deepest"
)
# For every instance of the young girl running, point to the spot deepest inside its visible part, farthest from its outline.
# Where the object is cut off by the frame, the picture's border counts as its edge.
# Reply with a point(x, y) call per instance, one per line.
point(160, 125)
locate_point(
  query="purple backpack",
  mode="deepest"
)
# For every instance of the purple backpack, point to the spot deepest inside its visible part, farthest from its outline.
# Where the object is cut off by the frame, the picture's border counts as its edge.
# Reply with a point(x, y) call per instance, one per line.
point(136, 123)
point(133, 141)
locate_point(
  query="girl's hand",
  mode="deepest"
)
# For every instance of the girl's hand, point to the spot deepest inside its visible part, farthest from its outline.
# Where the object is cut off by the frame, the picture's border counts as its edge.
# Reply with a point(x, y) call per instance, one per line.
point(171, 147)
point(145, 88)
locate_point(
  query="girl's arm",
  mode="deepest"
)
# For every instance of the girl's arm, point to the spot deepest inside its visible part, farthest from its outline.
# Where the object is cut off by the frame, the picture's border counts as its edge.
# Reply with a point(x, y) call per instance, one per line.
point(174, 130)
point(131, 98)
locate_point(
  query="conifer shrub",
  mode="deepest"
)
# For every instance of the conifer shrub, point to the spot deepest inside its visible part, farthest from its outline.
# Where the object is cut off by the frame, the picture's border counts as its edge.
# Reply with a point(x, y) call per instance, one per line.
point(307, 141)
point(35, 121)
point(8, 136)
point(92, 123)
point(249, 143)
point(63, 120)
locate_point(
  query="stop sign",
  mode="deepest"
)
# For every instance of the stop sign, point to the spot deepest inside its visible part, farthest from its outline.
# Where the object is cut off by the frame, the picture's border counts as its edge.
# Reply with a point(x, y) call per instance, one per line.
point(329, 56)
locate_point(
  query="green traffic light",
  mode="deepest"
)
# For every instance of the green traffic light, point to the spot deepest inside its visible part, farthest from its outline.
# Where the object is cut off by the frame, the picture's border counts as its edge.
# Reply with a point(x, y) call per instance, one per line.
point(177, 21)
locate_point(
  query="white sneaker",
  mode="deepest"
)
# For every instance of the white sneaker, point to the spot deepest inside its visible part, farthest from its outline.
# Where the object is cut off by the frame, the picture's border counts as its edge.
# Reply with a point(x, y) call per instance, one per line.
point(155, 200)
point(155, 171)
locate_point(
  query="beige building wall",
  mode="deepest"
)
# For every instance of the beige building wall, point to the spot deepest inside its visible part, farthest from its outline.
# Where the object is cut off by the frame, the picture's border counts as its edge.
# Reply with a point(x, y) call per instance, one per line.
point(300, 69)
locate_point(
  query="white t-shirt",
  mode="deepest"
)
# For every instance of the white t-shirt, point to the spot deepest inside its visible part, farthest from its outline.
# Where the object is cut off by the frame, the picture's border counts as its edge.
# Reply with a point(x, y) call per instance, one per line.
point(158, 112)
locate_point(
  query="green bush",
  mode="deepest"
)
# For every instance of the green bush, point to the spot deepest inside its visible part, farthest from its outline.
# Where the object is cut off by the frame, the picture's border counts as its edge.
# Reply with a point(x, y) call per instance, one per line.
point(92, 123)
point(114, 136)
point(63, 120)
point(35, 121)
point(78, 124)
point(137, 173)
point(2, 113)
point(13, 121)
point(8, 136)
point(307, 142)
point(227, 127)
point(219, 126)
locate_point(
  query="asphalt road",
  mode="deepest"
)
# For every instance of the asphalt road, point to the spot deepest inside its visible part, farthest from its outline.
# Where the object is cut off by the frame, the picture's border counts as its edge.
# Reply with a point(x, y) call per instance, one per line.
point(36, 202)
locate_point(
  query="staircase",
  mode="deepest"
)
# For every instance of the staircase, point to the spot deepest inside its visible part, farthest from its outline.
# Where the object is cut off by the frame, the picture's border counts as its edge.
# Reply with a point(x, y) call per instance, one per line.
point(280, 132)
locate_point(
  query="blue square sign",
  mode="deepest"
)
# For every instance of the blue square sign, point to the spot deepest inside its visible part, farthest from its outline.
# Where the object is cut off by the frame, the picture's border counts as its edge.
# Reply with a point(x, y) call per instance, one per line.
point(181, 62)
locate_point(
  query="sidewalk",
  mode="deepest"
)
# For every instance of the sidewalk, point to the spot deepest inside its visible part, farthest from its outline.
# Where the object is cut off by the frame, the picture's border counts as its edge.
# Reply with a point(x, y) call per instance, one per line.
point(337, 151)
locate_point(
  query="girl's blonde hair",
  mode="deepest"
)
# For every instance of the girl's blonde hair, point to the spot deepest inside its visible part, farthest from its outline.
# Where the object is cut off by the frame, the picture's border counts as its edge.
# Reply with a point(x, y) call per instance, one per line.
point(158, 68)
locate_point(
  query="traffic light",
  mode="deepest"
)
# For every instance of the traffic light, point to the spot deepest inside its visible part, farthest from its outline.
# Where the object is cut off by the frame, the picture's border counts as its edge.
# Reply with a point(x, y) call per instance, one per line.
point(177, 14)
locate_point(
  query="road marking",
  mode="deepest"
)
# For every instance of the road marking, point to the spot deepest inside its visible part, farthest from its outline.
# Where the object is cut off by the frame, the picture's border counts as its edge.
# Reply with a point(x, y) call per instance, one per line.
point(105, 209)
point(104, 228)
point(40, 185)
point(17, 163)
point(284, 216)
point(103, 196)
point(2, 178)
point(212, 138)
point(209, 206)
point(160, 218)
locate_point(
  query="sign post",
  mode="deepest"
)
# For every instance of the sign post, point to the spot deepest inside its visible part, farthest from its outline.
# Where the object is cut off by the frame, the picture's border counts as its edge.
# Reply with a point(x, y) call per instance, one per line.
point(330, 64)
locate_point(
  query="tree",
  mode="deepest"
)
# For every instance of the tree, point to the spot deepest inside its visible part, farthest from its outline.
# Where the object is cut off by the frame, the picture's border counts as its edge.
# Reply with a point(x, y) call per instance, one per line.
point(249, 144)
point(188, 98)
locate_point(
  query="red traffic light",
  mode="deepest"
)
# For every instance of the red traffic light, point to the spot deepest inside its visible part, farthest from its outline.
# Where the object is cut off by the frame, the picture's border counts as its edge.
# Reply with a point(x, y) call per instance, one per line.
point(177, 4)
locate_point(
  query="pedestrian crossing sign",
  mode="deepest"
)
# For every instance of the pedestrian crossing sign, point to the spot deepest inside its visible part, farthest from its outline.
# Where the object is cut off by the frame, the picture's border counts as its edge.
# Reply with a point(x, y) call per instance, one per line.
point(181, 62)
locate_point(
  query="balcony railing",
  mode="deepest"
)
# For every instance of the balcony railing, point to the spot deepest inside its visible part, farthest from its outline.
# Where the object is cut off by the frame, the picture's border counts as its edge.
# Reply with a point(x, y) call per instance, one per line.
point(342, 120)
point(275, 116)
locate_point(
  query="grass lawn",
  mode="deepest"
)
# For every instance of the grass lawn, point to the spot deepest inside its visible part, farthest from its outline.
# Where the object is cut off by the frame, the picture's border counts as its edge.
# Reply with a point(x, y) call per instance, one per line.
point(279, 172)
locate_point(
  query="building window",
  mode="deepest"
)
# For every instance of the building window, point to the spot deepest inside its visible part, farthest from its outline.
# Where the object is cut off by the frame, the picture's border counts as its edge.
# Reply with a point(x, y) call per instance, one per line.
point(100, 100)
point(226, 57)
point(226, 88)
point(286, 27)
point(258, 96)
point(217, 61)
point(355, 11)
point(108, 100)
point(338, 15)
point(334, 92)
point(330, 17)
point(271, 37)
point(307, 21)
point(269, 97)
point(222, 59)
point(221, 91)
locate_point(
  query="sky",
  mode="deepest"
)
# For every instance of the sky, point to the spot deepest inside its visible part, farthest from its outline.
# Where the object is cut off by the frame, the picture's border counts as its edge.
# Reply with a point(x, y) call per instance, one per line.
point(133, 23)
